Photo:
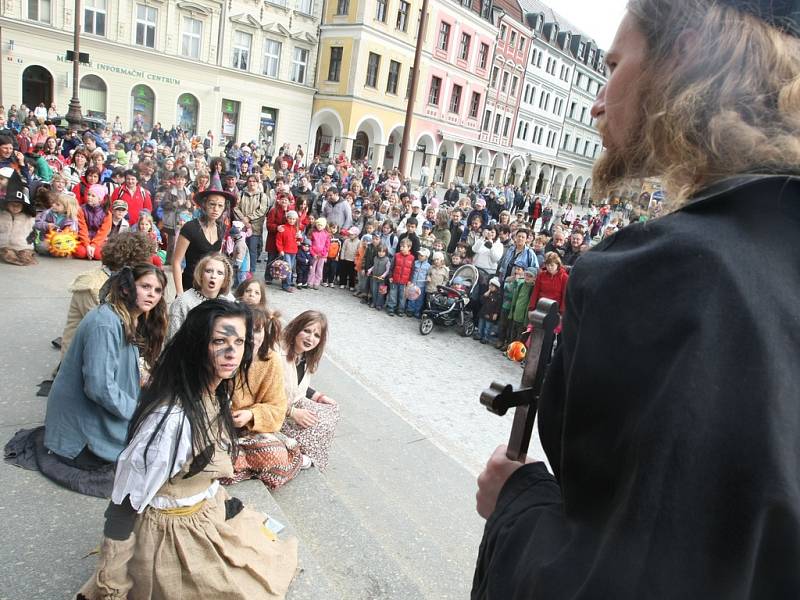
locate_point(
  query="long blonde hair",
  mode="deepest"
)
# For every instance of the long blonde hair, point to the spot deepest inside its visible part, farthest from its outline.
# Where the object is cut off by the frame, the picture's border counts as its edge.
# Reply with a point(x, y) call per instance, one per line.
point(70, 204)
point(726, 103)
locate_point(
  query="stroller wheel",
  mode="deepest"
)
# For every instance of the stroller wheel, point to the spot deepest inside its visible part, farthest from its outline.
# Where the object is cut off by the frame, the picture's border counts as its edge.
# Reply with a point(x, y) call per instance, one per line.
point(467, 328)
point(425, 325)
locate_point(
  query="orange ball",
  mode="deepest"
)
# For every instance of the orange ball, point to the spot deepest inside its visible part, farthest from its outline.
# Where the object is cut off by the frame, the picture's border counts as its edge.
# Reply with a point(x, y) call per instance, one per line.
point(516, 351)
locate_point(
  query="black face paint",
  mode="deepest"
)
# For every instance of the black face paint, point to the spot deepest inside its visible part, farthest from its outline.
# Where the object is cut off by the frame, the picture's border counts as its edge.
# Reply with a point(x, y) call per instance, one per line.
point(224, 351)
point(229, 330)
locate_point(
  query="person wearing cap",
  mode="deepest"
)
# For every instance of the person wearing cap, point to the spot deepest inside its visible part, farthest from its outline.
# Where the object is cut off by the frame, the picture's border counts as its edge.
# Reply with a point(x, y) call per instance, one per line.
point(119, 222)
point(17, 218)
point(674, 449)
point(415, 213)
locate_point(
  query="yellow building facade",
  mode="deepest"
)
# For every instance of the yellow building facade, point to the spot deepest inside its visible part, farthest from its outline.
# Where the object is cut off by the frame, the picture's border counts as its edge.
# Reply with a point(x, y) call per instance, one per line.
point(366, 56)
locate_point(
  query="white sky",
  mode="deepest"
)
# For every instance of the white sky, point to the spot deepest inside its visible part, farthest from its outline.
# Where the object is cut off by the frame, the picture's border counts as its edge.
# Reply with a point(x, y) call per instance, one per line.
point(598, 18)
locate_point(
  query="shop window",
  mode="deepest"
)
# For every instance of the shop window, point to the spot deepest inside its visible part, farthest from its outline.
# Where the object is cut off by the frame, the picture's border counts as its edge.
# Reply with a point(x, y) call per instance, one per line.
point(230, 120)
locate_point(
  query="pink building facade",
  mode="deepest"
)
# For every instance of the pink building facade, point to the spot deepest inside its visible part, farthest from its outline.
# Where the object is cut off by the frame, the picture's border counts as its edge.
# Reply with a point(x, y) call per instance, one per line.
point(452, 93)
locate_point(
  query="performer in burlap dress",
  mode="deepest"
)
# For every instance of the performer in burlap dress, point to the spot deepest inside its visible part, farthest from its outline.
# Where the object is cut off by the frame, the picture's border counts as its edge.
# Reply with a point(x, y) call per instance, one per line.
point(312, 416)
point(171, 530)
point(259, 409)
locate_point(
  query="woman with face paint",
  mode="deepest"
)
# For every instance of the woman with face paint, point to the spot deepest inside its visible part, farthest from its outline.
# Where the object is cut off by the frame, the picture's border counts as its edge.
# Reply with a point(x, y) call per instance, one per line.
point(171, 530)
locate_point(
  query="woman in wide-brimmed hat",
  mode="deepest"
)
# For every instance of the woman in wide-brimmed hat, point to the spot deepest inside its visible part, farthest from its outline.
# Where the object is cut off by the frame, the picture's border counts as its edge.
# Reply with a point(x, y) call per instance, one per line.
point(200, 236)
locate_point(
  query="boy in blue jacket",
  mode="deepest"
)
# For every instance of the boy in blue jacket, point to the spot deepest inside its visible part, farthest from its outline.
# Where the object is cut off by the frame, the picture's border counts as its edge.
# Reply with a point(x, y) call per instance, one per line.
point(419, 279)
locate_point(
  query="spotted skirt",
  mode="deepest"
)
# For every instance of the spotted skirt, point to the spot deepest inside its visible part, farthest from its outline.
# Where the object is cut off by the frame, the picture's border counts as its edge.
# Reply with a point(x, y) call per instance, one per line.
point(315, 441)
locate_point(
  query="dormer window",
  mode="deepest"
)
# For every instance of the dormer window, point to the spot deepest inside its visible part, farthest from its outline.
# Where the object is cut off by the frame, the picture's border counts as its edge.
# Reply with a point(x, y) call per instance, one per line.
point(581, 50)
point(566, 41)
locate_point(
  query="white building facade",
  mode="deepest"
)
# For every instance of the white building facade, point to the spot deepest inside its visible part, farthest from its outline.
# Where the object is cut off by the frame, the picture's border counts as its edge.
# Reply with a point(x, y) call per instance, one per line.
point(242, 70)
point(564, 73)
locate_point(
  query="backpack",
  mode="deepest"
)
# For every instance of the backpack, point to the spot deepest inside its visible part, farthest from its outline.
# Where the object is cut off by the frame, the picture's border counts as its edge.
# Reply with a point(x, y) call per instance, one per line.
point(333, 250)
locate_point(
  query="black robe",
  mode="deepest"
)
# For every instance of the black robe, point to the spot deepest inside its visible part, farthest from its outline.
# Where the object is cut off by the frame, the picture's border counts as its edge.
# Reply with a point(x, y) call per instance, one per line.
point(670, 416)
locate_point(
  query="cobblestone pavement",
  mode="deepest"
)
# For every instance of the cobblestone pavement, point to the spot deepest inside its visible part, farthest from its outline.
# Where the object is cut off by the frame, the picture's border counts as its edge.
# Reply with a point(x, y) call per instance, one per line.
point(434, 381)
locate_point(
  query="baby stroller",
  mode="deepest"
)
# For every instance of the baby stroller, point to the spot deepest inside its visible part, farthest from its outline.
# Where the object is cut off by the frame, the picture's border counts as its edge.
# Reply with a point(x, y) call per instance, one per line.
point(448, 305)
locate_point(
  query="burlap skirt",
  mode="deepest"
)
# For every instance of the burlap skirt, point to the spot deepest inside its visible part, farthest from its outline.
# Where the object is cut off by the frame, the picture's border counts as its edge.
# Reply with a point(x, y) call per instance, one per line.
point(199, 556)
point(271, 457)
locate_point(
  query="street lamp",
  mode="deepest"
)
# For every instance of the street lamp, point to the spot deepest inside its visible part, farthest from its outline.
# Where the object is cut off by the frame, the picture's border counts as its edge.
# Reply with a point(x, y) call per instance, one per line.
point(74, 116)
point(412, 95)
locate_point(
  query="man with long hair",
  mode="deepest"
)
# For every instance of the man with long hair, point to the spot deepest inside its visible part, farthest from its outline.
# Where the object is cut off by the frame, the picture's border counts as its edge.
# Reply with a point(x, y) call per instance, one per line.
point(670, 413)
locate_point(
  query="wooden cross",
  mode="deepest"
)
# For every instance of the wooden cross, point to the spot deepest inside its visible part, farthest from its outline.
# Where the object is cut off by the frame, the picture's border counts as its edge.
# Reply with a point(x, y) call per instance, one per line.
point(500, 397)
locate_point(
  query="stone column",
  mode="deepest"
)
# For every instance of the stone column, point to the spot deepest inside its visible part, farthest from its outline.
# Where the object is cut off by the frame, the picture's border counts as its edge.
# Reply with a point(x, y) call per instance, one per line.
point(468, 169)
point(449, 171)
point(379, 153)
point(346, 144)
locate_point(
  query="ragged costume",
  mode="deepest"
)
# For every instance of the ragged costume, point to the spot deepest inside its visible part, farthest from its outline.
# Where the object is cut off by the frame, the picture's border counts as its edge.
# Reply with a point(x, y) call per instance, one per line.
point(178, 534)
point(670, 416)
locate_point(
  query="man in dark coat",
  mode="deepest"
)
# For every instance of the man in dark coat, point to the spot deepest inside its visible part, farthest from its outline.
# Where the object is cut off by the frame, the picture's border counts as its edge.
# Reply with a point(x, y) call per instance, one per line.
point(670, 414)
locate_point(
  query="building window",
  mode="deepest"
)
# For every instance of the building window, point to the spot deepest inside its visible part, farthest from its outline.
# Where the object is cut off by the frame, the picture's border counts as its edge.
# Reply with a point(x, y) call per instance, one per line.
point(513, 38)
point(514, 82)
point(299, 65)
point(487, 119)
point(483, 56)
point(342, 7)
point(497, 121)
point(241, 50)
point(402, 15)
point(335, 64)
point(503, 32)
point(394, 75)
point(463, 47)
point(474, 105)
point(455, 99)
point(436, 88)
point(39, 10)
point(506, 126)
point(94, 17)
point(272, 57)
point(565, 143)
point(373, 65)
point(380, 11)
point(583, 114)
point(190, 37)
point(522, 47)
point(444, 36)
point(305, 6)
point(504, 87)
point(146, 25)
point(495, 73)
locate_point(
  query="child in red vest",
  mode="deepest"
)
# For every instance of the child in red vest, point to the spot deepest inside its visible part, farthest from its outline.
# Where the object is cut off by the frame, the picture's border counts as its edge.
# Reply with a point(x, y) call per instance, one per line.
point(286, 243)
point(402, 269)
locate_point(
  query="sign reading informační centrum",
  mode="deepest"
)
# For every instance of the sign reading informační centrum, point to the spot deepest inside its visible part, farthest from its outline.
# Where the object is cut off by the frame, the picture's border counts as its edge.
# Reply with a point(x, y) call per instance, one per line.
point(136, 73)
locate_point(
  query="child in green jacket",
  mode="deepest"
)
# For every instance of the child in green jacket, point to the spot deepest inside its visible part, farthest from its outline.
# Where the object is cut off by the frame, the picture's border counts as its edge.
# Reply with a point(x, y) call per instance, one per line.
point(518, 314)
point(509, 285)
